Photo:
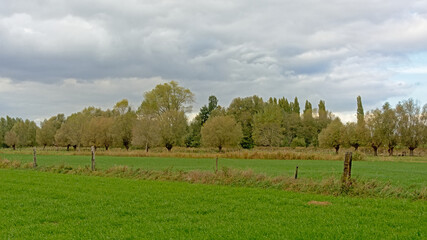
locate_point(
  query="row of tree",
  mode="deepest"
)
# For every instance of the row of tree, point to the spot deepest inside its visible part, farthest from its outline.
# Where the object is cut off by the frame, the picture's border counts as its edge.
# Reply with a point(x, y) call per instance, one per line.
point(404, 125)
point(161, 120)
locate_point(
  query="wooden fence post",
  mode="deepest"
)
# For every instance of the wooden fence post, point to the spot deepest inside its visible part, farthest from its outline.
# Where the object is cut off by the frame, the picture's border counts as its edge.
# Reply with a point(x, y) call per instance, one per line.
point(347, 168)
point(93, 158)
point(296, 172)
point(216, 169)
point(34, 157)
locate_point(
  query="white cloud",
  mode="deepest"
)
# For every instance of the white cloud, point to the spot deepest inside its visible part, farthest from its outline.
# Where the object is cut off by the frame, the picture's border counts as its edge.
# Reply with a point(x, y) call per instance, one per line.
point(36, 100)
point(310, 49)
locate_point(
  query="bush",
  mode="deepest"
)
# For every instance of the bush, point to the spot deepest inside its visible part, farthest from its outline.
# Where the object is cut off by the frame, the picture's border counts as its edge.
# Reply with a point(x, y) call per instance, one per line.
point(358, 156)
point(298, 142)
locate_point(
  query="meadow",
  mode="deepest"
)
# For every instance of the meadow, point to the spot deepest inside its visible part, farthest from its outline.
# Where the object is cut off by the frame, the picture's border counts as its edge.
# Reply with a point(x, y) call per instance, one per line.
point(41, 205)
point(407, 172)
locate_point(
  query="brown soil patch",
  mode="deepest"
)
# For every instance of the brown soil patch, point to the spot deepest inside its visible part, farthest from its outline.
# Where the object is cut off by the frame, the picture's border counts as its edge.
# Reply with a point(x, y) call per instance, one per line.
point(319, 203)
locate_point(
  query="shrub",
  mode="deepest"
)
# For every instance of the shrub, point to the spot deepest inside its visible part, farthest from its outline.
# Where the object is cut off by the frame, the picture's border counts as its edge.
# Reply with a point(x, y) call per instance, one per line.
point(298, 142)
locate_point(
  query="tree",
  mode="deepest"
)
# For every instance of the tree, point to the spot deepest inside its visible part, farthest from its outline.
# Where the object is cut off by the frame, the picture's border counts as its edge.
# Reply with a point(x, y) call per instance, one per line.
point(267, 126)
point(166, 97)
point(173, 126)
point(321, 121)
point(221, 131)
point(376, 129)
point(332, 135)
point(308, 129)
point(11, 139)
point(62, 137)
point(298, 142)
point(424, 121)
point(46, 133)
point(360, 112)
point(296, 107)
point(284, 104)
point(243, 111)
point(292, 127)
point(193, 137)
point(409, 124)
point(390, 137)
point(146, 133)
point(323, 114)
point(71, 132)
point(123, 124)
point(26, 132)
point(99, 132)
point(357, 134)
point(6, 124)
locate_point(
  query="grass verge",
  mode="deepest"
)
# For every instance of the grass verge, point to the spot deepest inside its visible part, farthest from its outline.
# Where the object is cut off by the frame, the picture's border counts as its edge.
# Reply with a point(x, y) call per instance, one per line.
point(246, 178)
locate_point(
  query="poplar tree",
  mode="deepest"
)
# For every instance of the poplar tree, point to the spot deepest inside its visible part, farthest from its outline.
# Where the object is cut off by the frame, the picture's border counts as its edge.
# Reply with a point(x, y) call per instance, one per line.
point(296, 108)
point(359, 135)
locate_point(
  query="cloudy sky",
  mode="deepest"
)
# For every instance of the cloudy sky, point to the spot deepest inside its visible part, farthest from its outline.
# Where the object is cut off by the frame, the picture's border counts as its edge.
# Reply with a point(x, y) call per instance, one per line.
point(59, 56)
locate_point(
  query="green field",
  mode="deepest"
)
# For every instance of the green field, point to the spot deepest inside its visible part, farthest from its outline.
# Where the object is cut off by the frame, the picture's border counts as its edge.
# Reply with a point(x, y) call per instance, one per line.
point(39, 205)
point(410, 175)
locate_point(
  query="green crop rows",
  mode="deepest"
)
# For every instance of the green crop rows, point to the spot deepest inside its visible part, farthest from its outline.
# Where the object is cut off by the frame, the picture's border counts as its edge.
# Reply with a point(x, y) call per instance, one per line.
point(37, 205)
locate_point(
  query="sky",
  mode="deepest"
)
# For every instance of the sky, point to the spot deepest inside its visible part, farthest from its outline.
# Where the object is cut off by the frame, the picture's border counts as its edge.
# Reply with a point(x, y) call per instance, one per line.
point(60, 56)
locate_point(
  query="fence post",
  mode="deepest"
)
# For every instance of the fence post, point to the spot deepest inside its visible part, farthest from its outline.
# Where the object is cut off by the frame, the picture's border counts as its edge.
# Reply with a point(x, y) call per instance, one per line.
point(93, 158)
point(347, 168)
point(34, 157)
point(216, 168)
point(296, 172)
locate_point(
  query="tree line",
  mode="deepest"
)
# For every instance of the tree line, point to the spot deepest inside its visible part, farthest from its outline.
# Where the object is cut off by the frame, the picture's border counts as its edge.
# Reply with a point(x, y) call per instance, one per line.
point(161, 120)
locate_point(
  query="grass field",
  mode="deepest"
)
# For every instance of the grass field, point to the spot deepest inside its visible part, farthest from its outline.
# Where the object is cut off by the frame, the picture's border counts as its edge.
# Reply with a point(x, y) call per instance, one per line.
point(39, 205)
point(410, 175)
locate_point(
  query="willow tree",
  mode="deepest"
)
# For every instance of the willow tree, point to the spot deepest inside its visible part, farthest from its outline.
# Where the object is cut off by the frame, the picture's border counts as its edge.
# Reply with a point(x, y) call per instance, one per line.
point(146, 133)
point(221, 131)
point(48, 128)
point(124, 119)
point(390, 127)
point(357, 134)
point(166, 97)
point(173, 127)
point(376, 128)
point(410, 125)
point(11, 139)
point(332, 135)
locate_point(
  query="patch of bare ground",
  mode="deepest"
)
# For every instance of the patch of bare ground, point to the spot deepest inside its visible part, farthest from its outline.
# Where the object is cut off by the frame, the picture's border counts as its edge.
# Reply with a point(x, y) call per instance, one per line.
point(319, 203)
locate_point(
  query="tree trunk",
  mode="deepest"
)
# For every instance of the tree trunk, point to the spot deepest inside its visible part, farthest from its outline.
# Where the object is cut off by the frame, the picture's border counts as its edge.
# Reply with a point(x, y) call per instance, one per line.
point(219, 148)
point(106, 147)
point(126, 144)
point(13, 146)
point(75, 147)
point(336, 149)
point(356, 146)
point(411, 151)
point(375, 150)
point(169, 146)
point(146, 147)
point(68, 147)
point(390, 151)
point(44, 146)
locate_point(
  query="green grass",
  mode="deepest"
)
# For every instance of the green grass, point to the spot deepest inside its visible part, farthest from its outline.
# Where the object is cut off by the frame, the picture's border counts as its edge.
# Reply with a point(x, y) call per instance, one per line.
point(39, 205)
point(410, 175)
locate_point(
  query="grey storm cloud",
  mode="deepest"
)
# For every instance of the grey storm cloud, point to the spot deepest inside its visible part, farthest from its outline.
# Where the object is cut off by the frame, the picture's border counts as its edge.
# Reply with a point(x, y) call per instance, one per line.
point(309, 49)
